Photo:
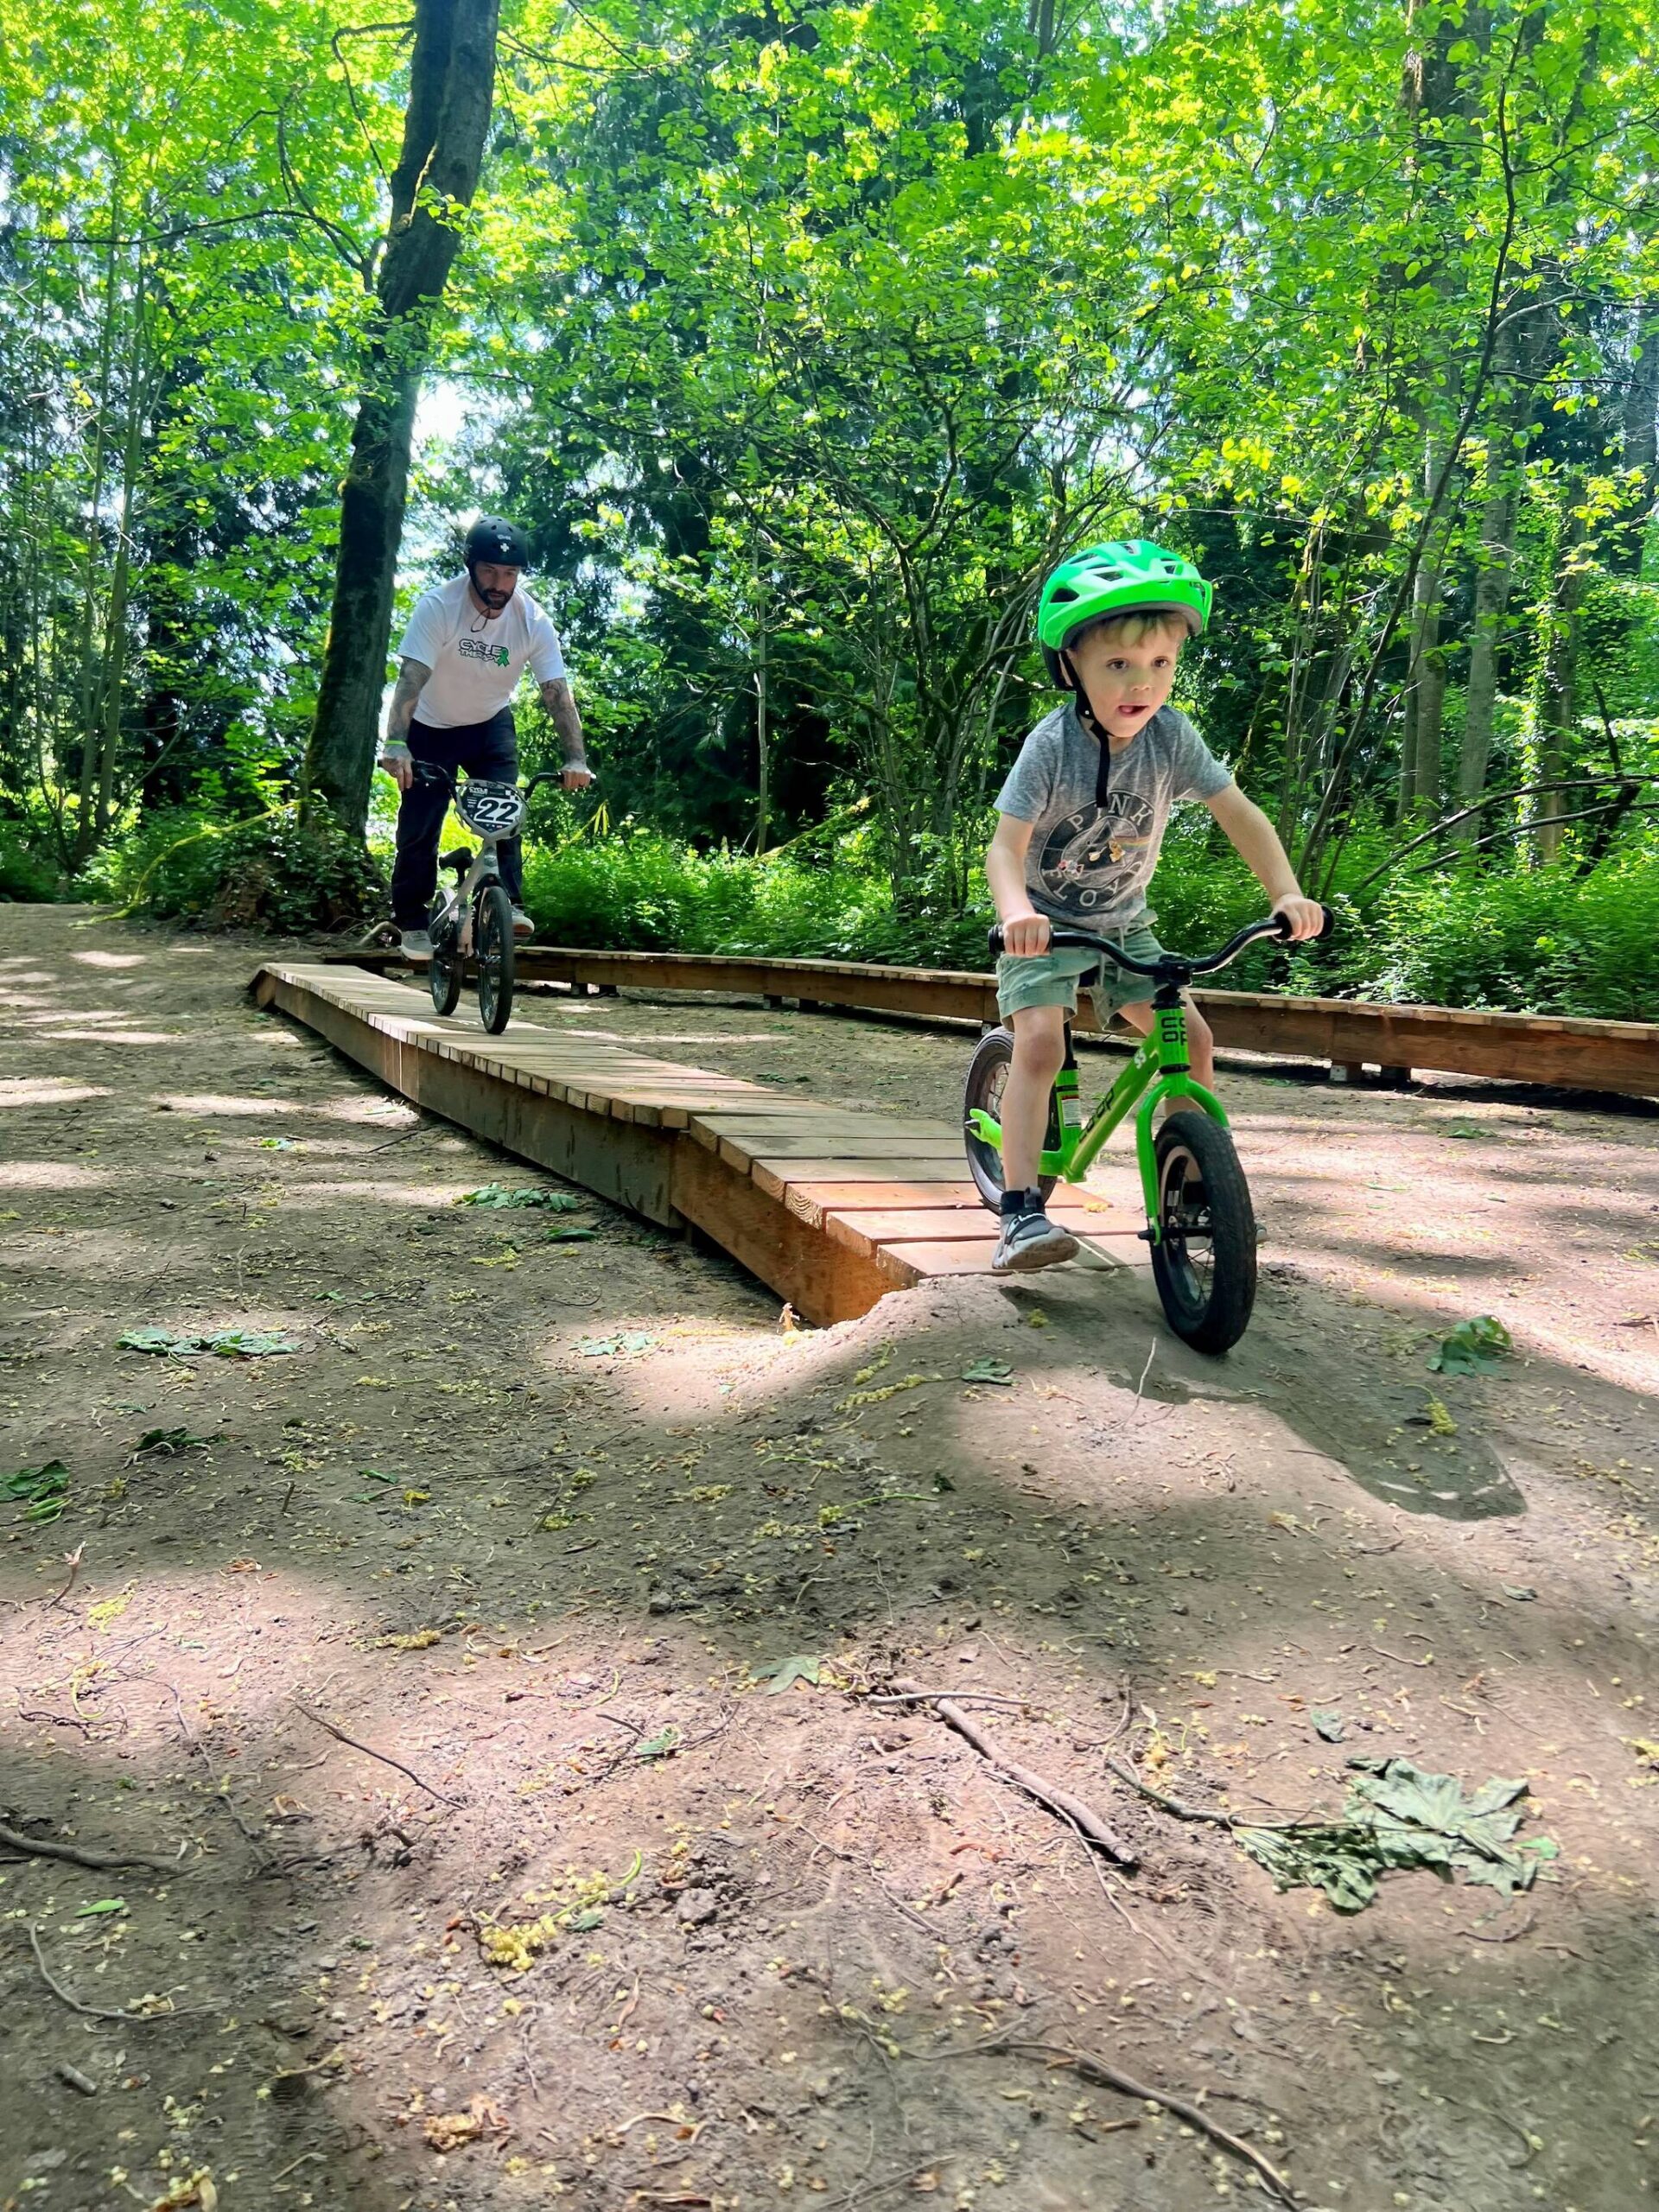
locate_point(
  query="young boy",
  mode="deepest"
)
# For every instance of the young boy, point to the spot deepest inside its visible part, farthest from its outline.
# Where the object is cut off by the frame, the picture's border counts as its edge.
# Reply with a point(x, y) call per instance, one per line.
point(1082, 815)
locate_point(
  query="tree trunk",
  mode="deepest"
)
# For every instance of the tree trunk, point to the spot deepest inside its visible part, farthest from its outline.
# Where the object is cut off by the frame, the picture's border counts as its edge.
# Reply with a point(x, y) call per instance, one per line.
point(1420, 765)
point(1523, 358)
point(1558, 679)
point(452, 86)
point(83, 839)
point(762, 736)
point(1621, 552)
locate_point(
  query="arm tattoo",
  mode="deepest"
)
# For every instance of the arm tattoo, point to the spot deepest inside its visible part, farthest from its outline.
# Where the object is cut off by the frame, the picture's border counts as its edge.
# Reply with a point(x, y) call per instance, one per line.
point(411, 681)
point(561, 702)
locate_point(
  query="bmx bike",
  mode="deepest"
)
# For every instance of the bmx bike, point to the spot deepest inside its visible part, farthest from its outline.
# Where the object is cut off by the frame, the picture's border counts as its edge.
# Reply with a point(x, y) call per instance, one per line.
point(1200, 1224)
point(472, 919)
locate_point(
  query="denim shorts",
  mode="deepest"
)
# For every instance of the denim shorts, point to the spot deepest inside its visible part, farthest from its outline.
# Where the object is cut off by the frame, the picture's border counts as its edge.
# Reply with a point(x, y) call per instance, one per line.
point(1053, 978)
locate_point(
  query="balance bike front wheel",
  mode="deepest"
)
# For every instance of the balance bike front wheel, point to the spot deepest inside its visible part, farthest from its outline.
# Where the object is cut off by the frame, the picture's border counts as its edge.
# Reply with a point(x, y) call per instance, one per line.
point(1203, 1262)
point(493, 925)
point(988, 1076)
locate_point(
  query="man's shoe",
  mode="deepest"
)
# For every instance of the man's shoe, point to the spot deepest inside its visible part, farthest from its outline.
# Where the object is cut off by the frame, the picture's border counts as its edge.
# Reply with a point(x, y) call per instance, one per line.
point(414, 945)
point(1031, 1239)
point(522, 925)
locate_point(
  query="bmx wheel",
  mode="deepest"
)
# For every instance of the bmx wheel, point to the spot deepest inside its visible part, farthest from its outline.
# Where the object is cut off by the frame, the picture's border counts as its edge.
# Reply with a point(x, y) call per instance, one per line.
point(1203, 1262)
point(444, 971)
point(987, 1074)
point(493, 930)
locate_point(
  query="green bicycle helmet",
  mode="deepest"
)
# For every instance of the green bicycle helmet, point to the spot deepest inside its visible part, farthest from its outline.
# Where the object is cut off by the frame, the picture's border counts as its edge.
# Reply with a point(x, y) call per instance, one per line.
point(1130, 575)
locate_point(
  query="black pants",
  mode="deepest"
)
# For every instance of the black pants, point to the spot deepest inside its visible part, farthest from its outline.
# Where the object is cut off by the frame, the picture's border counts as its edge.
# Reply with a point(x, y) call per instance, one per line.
point(489, 749)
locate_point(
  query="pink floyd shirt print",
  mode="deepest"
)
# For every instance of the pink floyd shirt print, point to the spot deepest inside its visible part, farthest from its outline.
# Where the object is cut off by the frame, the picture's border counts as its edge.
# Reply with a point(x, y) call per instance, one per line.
point(1092, 858)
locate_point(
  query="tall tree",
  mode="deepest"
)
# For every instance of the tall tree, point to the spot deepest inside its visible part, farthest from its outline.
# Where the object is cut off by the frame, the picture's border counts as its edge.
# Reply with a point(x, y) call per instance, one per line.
point(451, 93)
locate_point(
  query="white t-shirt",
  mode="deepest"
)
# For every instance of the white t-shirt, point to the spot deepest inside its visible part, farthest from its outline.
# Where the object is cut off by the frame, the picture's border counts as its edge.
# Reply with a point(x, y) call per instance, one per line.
point(476, 663)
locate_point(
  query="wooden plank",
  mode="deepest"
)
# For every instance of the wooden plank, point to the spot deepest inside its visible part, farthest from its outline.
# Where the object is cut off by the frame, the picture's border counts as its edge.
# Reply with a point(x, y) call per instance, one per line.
point(838, 1144)
point(775, 1175)
point(904, 1265)
point(813, 1200)
point(821, 1280)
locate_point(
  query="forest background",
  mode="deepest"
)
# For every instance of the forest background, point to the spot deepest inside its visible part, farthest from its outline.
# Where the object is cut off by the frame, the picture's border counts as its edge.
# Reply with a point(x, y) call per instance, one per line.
point(804, 341)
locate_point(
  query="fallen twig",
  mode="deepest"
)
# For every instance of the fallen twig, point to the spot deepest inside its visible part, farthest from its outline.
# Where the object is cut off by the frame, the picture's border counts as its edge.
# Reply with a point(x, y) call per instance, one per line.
point(91, 2011)
point(222, 1792)
point(369, 1752)
point(932, 1697)
point(1165, 1803)
point(1151, 1349)
point(1055, 1800)
point(1191, 1812)
point(100, 1862)
point(72, 1561)
point(1110, 2077)
point(1510, 1934)
point(402, 1137)
point(851, 1859)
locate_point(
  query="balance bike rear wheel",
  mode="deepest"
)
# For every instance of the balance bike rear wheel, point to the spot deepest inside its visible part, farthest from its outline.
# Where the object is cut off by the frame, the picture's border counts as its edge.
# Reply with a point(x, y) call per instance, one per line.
point(987, 1074)
point(493, 928)
point(1203, 1262)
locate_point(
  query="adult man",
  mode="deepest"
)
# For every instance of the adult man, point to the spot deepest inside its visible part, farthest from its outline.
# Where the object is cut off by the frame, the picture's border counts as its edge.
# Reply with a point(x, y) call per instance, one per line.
point(466, 645)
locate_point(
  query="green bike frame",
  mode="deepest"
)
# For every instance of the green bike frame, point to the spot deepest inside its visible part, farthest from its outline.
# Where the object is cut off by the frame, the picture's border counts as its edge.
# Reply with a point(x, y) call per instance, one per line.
point(1160, 1070)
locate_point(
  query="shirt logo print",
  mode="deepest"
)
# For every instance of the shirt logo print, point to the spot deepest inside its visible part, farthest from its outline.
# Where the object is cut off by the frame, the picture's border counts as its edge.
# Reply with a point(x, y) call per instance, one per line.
point(1093, 857)
point(477, 649)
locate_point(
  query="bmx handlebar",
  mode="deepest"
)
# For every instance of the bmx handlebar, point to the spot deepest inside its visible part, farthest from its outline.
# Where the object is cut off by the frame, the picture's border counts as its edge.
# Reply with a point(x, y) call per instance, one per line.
point(429, 771)
point(1203, 963)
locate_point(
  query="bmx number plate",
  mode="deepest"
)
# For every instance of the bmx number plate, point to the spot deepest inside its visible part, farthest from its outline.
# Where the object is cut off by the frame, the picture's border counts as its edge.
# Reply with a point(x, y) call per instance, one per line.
point(490, 810)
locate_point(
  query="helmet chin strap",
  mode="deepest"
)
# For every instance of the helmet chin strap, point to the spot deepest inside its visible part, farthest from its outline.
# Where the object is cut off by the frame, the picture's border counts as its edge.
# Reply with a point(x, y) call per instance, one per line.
point(1086, 715)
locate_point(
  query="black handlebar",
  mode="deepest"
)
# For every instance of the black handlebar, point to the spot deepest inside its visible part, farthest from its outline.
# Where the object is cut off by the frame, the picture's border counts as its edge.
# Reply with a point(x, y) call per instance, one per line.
point(1200, 965)
point(429, 771)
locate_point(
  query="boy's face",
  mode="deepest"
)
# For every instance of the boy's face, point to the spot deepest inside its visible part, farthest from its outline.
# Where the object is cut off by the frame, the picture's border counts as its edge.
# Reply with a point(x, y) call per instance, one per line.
point(1127, 682)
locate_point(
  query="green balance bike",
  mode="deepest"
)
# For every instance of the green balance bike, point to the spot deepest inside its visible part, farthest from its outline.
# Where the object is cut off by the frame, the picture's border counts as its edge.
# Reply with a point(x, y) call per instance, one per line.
point(1200, 1224)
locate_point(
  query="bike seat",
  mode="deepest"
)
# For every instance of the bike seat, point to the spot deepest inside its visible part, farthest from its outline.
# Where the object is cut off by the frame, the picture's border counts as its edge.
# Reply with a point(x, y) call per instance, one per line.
point(460, 860)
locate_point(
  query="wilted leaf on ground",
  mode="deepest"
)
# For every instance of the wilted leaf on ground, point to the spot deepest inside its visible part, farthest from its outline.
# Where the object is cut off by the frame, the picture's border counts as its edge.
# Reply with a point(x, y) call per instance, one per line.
point(782, 1674)
point(168, 1442)
point(628, 1340)
point(39, 1490)
point(100, 1907)
point(1397, 1818)
point(228, 1344)
point(277, 1144)
point(1328, 1724)
point(570, 1233)
point(499, 1196)
point(988, 1371)
point(658, 1746)
point(1474, 1347)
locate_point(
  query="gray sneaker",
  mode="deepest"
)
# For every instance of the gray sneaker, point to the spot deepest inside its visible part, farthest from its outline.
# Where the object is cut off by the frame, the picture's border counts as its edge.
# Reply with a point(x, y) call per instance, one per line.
point(1028, 1241)
point(522, 925)
point(414, 945)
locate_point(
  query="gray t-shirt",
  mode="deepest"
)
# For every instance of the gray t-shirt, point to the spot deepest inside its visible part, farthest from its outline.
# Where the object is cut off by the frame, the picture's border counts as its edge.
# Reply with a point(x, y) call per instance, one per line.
point(1083, 868)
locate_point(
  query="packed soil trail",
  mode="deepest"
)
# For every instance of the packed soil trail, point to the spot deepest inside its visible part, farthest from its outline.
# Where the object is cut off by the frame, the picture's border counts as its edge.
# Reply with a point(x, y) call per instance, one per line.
point(621, 1907)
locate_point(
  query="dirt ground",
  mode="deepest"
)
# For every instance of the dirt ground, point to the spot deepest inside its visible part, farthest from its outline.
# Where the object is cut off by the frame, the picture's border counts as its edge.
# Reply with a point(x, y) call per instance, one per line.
point(609, 1914)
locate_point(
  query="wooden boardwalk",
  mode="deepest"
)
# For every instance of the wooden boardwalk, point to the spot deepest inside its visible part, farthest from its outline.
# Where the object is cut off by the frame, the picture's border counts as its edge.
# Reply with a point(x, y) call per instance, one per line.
point(830, 1208)
point(1615, 1056)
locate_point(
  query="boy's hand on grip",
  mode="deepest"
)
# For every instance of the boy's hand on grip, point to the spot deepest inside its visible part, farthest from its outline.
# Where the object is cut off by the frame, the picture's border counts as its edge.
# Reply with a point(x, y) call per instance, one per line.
point(1303, 918)
point(1025, 934)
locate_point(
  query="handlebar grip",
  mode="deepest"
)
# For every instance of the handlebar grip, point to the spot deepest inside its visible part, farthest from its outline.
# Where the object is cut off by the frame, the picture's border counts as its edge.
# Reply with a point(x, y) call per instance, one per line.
point(1326, 928)
point(996, 940)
